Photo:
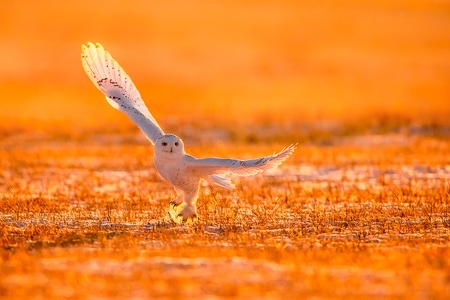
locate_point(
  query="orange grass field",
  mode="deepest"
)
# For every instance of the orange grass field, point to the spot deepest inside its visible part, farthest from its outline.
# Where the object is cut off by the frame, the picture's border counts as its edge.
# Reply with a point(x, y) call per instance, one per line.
point(361, 210)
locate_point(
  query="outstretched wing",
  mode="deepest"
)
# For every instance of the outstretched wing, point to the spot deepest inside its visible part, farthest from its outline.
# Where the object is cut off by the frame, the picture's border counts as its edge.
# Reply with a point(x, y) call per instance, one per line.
point(218, 170)
point(120, 92)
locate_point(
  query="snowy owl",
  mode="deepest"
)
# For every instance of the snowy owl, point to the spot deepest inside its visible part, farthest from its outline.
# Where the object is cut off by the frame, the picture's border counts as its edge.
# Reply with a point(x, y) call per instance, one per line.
point(183, 171)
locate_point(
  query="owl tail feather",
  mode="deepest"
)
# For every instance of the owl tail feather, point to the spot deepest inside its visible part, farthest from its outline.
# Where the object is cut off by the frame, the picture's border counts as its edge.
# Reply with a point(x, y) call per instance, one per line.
point(222, 180)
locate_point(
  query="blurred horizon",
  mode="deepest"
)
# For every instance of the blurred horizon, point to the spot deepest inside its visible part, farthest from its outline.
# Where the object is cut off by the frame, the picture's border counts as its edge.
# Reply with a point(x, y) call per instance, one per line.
point(224, 62)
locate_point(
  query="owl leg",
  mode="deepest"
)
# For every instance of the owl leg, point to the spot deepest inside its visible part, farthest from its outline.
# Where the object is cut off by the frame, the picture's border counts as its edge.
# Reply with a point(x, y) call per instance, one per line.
point(178, 200)
point(190, 210)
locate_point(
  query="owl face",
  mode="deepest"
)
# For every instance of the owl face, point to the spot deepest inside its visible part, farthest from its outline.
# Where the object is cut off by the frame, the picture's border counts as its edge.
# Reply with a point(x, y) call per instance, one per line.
point(169, 144)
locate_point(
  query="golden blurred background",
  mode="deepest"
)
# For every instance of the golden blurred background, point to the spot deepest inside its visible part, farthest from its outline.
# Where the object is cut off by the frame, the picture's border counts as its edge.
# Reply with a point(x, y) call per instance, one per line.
point(229, 61)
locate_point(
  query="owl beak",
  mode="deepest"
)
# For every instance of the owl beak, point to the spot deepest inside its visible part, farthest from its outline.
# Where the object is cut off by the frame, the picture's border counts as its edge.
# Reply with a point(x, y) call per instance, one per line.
point(171, 150)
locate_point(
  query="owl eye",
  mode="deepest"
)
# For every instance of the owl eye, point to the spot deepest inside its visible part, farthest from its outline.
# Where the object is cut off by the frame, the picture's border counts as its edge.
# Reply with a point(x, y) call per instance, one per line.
point(164, 144)
point(176, 143)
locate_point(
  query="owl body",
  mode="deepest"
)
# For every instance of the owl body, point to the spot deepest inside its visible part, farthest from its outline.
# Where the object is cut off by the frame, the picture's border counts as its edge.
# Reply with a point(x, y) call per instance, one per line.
point(176, 171)
point(171, 161)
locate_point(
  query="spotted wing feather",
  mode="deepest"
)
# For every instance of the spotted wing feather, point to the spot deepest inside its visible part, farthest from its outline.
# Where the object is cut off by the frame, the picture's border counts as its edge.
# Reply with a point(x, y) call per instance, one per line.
point(120, 91)
point(218, 170)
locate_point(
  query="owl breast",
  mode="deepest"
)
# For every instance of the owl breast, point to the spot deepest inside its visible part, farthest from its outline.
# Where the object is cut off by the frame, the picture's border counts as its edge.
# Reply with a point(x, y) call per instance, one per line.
point(176, 173)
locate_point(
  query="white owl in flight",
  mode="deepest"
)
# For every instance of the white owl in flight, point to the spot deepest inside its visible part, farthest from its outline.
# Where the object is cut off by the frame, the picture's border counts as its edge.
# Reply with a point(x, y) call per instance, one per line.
point(183, 171)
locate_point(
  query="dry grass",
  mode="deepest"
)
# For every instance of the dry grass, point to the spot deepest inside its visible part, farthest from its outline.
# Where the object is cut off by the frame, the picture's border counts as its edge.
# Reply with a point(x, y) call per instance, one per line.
point(360, 211)
point(88, 218)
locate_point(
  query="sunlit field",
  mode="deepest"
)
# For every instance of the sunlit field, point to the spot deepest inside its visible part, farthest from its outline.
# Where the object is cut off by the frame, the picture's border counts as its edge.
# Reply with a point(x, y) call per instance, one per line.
point(361, 210)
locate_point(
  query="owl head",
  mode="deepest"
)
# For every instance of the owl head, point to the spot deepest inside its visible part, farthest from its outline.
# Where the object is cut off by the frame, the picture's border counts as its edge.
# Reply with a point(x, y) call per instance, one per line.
point(169, 144)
